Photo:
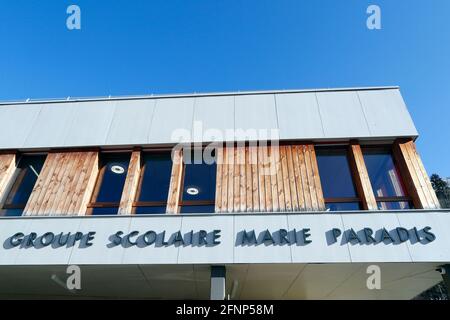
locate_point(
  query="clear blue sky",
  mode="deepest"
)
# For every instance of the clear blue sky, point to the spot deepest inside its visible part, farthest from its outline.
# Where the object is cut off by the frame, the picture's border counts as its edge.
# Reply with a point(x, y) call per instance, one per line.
point(167, 46)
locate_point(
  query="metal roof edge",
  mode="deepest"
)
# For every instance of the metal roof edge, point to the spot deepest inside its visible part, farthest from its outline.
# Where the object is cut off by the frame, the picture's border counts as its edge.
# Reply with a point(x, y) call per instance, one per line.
point(190, 95)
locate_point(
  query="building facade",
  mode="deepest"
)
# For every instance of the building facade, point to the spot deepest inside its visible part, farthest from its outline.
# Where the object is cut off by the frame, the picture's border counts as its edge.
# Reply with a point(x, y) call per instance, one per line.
point(249, 195)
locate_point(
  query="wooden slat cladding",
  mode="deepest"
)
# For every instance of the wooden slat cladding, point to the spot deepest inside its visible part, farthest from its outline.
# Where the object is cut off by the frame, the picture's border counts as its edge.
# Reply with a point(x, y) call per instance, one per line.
point(7, 168)
point(176, 181)
point(64, 185)
point(131, 184)
point(414, 175)
point(268, 179)
point(361, 177)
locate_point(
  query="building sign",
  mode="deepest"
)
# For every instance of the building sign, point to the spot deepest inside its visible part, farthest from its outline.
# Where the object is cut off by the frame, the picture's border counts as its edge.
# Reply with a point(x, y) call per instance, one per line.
point(211, 238)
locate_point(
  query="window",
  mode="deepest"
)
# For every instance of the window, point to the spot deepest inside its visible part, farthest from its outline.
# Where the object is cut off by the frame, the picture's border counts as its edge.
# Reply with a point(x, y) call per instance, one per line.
point(27, 172)
point(154, 183)
point(386, 180)
point(336, 177)
point(110, 182)
point(199, 185)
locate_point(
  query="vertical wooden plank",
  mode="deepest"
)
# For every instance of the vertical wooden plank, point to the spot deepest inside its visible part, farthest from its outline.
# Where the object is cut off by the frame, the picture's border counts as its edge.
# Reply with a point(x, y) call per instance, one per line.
point(176, 180)
point(242, 180)
point(316, 179)
point(427, 201)
point(267, 178)
point(304, 177)
point(231, 156)
point(7, 169)
point(279, 179)
point(63, 181)
point(311, 181)
point(261, 181)
point(69, 182)
point(236, 178)
point(433, 200)
point(63, 189)
point(253, 150)
point(409, 175)
point(88, 183)
point(131, 184)
point(225, 154)
point(56, 207)
point(74, 187)
point(273, 154)
point(286, 184)
point(414, 175)
point(361, 177)
point(248, 181)
point(292, 186)
point(219, 183)
point(298, 177)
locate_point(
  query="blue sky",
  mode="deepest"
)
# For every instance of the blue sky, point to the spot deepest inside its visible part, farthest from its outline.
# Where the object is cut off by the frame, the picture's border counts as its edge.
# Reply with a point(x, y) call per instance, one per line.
point(168, 46)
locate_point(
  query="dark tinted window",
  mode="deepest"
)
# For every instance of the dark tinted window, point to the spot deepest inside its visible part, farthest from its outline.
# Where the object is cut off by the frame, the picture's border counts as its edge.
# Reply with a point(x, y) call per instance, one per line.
point(198, 209)
point(386, 181)
point(384, 176)
point(28, 170)
point(199, 182)
point(110, 183)
point(155, 177)
point(114, 172)
point(336, 178)
point(199, 185)
point(335, 173)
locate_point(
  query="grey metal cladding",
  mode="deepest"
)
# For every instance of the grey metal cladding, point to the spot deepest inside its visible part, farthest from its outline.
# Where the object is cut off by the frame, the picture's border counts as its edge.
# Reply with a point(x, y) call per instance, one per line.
point(255, 113)
point(386, 113)
point(213, 118)
point(172, 121)
point(369, 113)
point(131, 122)
point(51, 125)
point(16, 123)
point(342, 115)
point(298, 116)
point(90, 124)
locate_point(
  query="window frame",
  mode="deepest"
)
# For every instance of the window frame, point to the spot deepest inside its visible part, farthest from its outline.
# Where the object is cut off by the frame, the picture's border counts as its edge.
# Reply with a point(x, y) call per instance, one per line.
point(143, 204)
point(186, 203)
point(98, 182)
point(346, 149)
point(389, 150)
point(15, 184)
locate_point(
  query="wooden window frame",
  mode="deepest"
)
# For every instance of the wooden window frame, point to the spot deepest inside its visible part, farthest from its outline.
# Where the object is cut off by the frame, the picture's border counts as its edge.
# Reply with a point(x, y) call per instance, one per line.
point(187, 203)
point(93, 204)
point(407, 197)
point(139, 204)
point(346, 148)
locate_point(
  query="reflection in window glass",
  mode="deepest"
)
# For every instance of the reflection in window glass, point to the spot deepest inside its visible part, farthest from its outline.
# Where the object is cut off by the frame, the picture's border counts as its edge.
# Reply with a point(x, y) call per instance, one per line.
point(154, 184)
point(336, 179)
point(110, 182)
point(383, 174)
point(398, 205)
point(342, 206)
point(28, 170)
point(385, 179)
